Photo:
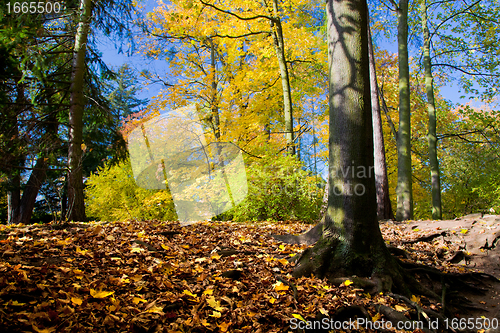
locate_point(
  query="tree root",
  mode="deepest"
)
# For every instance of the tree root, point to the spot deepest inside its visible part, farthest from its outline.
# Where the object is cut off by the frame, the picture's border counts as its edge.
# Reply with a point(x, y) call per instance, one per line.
point(309, 237)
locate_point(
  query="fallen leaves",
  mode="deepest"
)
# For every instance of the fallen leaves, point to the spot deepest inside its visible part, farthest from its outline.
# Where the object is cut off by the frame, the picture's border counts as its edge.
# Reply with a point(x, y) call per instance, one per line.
point(136, 276)
point(100, 293)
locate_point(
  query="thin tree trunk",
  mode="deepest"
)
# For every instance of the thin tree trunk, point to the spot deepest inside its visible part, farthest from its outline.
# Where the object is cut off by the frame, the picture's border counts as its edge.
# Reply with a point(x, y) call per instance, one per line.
point(214, 104)
point(431, 110)
point(76, 209)
point(279, 46)
point(30, 192)
point(17, 158)
point(38, 174)
point(404, 187)
point(384, 209)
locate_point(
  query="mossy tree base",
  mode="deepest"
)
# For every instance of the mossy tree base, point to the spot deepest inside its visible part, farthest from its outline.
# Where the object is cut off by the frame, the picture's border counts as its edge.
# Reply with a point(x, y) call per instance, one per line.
point(374, 268)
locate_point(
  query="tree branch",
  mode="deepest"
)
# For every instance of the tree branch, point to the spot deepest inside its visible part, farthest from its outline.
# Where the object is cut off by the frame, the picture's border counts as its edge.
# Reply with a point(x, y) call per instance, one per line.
point(251, 18)
point(466, 72)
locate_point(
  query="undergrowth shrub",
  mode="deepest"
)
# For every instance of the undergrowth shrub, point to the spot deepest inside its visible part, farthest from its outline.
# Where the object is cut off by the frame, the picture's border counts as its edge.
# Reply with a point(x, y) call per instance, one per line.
point(112, 194)
point(279, 189)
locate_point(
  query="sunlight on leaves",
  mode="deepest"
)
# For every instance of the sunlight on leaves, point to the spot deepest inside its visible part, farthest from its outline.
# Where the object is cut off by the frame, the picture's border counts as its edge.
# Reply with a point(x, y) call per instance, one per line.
point(298, 316)
point(101, 293)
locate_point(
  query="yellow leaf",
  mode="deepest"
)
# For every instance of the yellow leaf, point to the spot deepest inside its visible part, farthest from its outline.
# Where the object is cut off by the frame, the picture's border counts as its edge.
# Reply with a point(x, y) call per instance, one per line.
point(141, 234)
point(215, 256)
point(415, 299)
point(283, 261)
point(282, 247)
point(348, 283)
point(215, 314)
point(136, 249)
point(214, 304)
point(298, 316)
point(400, 308)
point(323, 311)
point(463, 231)
point(187, 292)
point(272, 300)
point(280, 286)
point(16, 303)
point(79, 250)
point(137, 300)
point(76, 300)
point(208, 292)
point(376, 317)
point(101, 293)
point(163, 246)
point(155, 309)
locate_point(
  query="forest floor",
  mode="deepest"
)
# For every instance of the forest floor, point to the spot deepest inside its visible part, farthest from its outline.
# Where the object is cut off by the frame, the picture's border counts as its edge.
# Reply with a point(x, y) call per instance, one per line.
point(226, 277)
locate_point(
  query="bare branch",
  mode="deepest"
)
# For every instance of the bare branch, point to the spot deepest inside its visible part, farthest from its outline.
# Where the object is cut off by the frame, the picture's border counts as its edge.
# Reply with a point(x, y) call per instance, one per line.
point(466, 72)
point(250, 18)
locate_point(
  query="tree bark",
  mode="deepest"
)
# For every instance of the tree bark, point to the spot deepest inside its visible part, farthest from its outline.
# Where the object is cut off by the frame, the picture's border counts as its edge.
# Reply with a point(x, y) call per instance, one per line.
point(431, 111)
point(351, 242)
point(17, 158)
point(214, 101)
point(76, 209)
point(279, 46)
point(38, 174)
point(384, 209)
point(404, 187)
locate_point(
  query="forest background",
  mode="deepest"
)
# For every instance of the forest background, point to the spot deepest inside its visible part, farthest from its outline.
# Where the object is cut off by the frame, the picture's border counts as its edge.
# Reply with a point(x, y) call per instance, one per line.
point(258, 75)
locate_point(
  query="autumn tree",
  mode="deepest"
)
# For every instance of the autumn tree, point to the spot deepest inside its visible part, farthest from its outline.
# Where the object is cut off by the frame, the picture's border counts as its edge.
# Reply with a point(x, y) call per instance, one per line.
point(235, 63)
point(456, 51)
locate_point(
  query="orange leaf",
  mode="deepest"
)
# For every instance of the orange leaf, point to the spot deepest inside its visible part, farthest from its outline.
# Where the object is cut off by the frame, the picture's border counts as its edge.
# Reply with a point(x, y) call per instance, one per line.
point(224, 326)
point(76, 300)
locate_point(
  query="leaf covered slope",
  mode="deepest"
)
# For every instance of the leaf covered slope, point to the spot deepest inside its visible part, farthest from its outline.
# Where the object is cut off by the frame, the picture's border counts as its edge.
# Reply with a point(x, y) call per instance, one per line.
point(156, 276)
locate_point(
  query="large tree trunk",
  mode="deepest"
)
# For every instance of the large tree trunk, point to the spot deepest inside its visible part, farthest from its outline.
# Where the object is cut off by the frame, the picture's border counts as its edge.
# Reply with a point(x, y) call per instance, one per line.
point(384, 209)
point(431, 110)
point(404, 187)
point(279, 46)
point(76, 209)
point(351, 242)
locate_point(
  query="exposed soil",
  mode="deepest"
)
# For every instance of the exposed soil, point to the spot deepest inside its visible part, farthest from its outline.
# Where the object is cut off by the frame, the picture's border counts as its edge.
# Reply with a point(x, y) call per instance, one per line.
point(466, 244)
point(467, 248)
